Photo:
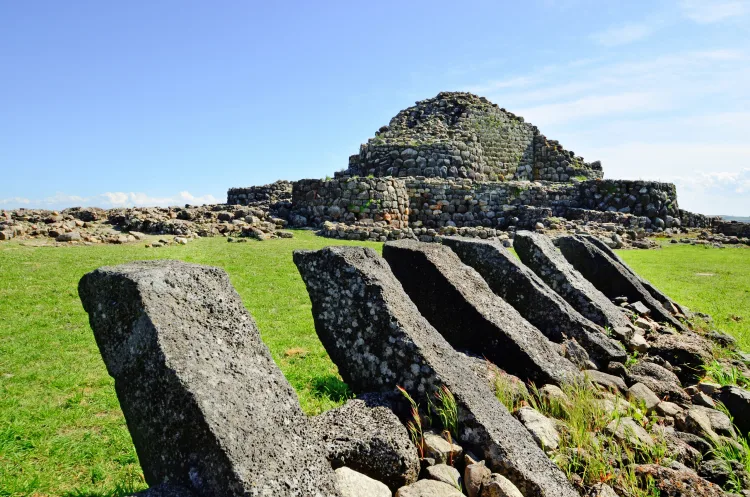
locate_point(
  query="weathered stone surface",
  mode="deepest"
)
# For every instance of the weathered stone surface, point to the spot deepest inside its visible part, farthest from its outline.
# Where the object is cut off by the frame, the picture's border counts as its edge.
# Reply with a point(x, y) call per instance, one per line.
point(475, 477)
point(540, 426)
point(687, 350)
point(444, 473)
point(532, 298)
point(441, 450)
point(665, 301)
point(353, 484)
point(737, 401)
point(670, 409)
point(537, 252)
point(721, 472)
point(460, 305)
point(628, 430)
point(429, 488)
point(607, 381)
point(611, 277)
point(675, 483)
point(206, 406)
point(378, 339)
point(705, 422)
point(500, 486)
point(658, 379)
point(369, 440)
point(641, 394)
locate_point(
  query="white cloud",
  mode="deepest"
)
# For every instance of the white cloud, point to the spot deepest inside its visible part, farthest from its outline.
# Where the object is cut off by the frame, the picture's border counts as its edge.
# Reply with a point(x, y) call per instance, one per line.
point(711, 11)
point(622, 35)
point(109, 200)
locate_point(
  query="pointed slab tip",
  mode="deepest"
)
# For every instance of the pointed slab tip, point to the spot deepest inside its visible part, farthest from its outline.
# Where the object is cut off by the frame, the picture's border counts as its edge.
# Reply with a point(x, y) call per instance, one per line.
point(533, 299)
point(539, 254)
point(611, 277)
point(207, 408)
point(378, 339)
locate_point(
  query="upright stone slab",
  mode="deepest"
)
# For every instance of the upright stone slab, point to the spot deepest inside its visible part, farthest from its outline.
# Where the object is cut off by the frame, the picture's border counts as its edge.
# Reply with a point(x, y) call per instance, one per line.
point(655, 293)
point(610, 277)
point(461, 306)
point(533, 299)
point(538, 253)
point(205, 404)
point(378, 339)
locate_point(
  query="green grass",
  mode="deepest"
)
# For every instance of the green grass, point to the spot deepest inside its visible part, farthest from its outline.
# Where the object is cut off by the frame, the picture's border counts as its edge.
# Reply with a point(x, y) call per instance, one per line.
point(61, 428)
point(710, 280)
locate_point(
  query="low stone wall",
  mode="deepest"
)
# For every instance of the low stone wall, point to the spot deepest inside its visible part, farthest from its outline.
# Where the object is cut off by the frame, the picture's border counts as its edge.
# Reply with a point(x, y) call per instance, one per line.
point(654, 200)
point(350, 200)
point(733, 228)
point(278, 191)
point(436, 203)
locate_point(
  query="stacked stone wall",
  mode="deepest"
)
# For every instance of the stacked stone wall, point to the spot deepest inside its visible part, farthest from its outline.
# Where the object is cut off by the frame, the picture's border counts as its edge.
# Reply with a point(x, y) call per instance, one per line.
point(351, 200)
point(733, 228)
point(460, 135)
point(654, 200)
point(279, 191)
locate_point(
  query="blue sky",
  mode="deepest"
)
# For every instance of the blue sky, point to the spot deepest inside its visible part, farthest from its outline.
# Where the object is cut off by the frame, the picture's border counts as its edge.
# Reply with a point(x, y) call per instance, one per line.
point(170, 102)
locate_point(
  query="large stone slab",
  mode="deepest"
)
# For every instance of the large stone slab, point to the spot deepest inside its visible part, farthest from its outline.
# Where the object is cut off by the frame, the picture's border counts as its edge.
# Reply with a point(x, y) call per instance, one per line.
point(655, 292)
point(538, 253)
point(205, 404)
point(610, 276)
point(533, 299)
point(458, 303)
point(378, 339)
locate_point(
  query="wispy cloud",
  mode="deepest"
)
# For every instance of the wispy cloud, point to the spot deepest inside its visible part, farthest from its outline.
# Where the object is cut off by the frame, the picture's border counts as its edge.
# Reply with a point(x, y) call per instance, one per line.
point(622, 35)
point(109, 200)
point(711, 11)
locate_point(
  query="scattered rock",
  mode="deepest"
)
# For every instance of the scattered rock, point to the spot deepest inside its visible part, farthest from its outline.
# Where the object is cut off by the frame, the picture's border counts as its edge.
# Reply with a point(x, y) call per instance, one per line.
point(737, 402)
point(676, 483)
point(429, 488)
point(353, 484)
point(606, 381)
point(642, 395)
point(475, 477)
point(369, 440)
point(628, 430)
point(541, 427)
point(438, 448)
point(444, 473)
point(500, 486)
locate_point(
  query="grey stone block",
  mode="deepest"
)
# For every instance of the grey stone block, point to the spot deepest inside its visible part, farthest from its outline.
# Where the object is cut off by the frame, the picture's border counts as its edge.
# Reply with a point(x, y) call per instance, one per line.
point(537, 252)
point(533, 299)
point(378, 339)
point(461, 306)
point(611, 277)
point(206, 406)
point(369, 440)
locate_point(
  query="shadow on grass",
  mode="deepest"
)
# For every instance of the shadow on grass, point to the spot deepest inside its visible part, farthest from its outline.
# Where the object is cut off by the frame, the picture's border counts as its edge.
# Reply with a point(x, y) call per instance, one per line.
point(332, 387)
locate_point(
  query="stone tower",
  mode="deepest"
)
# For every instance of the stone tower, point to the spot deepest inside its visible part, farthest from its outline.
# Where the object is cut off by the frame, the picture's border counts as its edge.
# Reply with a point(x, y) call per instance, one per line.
point(462, 135)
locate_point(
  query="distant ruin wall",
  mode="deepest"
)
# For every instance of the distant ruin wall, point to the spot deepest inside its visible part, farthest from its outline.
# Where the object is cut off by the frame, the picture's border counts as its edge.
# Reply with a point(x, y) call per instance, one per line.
point(278, 191)
point(351, 200)
point(436, 203)
point(733, 228)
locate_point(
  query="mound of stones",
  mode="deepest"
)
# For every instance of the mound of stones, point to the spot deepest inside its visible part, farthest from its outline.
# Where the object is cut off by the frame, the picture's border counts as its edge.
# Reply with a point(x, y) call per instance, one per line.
point(124, 225)
point(468, 366)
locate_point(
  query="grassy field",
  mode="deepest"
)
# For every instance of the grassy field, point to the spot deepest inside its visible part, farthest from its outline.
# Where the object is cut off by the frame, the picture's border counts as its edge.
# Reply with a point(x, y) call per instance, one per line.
point(710, 280)
point(61, 428)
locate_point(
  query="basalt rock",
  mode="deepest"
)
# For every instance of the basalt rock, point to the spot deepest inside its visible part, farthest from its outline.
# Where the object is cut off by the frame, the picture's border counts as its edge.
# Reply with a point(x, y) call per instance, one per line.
point(610, 276)
point(371, 441)
point(378, 339)
point(537, 252)
point(460, 305)
point(206, 406)
point(533, 299)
